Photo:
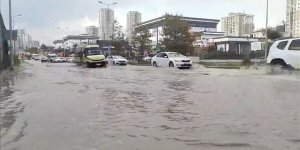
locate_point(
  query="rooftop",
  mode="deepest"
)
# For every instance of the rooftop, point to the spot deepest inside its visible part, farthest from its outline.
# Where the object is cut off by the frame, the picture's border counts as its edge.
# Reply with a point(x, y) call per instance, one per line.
point(81, 37)
point(159, 19)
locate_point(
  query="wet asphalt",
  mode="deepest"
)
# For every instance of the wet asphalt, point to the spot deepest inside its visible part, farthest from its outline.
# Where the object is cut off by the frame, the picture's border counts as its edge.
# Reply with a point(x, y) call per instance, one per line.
point(65, 107)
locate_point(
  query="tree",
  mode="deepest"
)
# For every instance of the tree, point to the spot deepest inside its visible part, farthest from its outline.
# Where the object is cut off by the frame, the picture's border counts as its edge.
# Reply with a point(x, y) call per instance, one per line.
point(43, 47)
point(141, 38)
point(176, 35)
point(273, 34)
point(118, 34)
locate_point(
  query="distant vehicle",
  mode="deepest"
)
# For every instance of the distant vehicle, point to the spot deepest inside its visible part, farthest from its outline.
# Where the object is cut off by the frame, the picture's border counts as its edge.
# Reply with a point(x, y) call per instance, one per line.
point(70, 60)
point(63, 59)
point(91, 56)
point(116, 60)
point(56, 60)
point(44, 59)
point(51, 57)
point(36, 58)
point(171, 59)
point(285, 53)
point(147, 58)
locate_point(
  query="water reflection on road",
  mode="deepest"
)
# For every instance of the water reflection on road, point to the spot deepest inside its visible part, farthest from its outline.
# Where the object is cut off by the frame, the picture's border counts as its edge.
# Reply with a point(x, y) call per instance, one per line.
point(61, 106)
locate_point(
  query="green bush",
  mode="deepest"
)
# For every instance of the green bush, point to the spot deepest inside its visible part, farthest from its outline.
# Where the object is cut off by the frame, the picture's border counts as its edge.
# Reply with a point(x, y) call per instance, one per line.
point(17, 60)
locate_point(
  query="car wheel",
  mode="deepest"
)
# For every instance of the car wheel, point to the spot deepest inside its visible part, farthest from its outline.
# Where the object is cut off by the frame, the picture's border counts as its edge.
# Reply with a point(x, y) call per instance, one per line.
point(171, 64)
point(88, 65)
point(277, 66)
point(154, 64)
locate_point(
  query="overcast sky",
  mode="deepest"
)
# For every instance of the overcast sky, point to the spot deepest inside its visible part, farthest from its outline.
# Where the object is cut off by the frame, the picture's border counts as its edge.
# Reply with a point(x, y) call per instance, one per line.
point(42, 17)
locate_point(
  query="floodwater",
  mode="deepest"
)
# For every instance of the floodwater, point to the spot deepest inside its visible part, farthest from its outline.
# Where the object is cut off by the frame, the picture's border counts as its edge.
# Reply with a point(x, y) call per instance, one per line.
point(64, 107)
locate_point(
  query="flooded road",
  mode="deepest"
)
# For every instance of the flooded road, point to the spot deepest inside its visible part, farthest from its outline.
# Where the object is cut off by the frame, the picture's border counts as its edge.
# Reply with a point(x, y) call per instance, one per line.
point(64, 107)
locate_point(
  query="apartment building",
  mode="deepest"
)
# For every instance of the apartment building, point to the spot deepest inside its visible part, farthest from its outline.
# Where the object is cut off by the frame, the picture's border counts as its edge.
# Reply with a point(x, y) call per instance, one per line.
point(238, 24)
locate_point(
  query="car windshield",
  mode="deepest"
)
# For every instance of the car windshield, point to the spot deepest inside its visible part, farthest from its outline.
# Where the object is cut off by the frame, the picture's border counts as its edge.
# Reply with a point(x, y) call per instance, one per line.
point(172, 55)
point(93, 51)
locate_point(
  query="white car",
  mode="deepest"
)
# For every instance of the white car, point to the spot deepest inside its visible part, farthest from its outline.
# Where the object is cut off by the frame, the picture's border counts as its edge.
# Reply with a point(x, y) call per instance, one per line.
point(147, 58)
point(285, 53)
point(70, 60)
point(116, 60)
point(171, 59)
point(56, 60)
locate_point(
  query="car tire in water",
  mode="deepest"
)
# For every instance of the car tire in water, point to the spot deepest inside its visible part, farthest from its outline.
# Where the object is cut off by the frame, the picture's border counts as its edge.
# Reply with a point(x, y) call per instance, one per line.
point(277, 66)
point(171, 64)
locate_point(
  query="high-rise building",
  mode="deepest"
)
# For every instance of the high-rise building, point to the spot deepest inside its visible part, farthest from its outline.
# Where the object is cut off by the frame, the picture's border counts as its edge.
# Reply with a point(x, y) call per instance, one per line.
point(238, 24)
point(133, 18)
point(106, 24)
point(92, 30)
point(292, 27)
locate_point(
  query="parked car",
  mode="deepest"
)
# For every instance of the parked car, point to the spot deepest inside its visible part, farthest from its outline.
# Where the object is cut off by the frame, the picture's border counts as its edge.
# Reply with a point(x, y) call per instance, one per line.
point(56, 60)
point(70, 60)
point(44, 59)
point(51, 57)
point(147, 58)
point(63, 59)
point(285, 53)
point(116, 60)
point(36, 58)
point(171, 59)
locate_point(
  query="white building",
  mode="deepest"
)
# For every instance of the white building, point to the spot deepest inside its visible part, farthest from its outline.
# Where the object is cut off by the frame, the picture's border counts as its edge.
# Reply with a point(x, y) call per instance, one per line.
point(36, 44)
point(58, 44)
point(133, 18)
point(260, 33)
point(70, 41)
point(24, 41)
point(293, 18)
point(106, 24)
point(207, 28)
point(238, 24)
point(92, 30)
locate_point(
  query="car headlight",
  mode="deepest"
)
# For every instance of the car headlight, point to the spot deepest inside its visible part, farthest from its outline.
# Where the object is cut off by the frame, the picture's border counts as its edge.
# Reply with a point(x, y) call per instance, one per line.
point(177, 61)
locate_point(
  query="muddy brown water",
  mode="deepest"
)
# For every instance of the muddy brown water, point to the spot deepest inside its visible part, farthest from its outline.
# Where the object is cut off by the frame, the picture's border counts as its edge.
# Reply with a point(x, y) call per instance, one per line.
point(64, 107)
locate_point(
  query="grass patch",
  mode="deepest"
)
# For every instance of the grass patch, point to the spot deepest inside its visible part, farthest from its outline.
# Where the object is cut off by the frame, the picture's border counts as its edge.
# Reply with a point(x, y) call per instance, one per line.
point(17, 61)
point(227, 65)
point(140, 63)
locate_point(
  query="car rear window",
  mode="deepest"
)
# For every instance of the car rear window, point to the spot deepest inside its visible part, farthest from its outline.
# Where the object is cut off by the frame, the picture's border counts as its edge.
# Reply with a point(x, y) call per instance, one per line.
point(282, 45)
point(295, 45)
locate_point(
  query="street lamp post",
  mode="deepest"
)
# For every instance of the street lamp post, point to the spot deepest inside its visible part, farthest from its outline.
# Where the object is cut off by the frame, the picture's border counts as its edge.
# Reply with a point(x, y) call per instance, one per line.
point(13, 26)
point(63, 29)
point(267, 24)
point(11, 50)
point(108, 22)
point(13, 21)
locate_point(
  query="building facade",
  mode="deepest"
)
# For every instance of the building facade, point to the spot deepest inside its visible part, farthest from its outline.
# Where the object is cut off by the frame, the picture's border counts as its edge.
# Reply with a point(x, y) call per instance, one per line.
point(238, 24)
point(292, 27)
point(106, 24)
point(70, 41)
point(133, 18)
point(207, 27)
point(58, 44)
point(24, 41)
point(92, 30)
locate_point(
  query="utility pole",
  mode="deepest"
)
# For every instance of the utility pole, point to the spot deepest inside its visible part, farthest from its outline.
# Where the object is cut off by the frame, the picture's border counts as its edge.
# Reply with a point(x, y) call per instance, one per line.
point(267, 24)
point(11, 37)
